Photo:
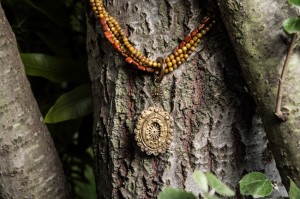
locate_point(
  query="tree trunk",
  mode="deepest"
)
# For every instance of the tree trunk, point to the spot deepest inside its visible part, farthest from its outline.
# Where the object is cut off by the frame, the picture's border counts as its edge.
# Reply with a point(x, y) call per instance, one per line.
point(29, 164)
point(207, 98)
point(255, 29)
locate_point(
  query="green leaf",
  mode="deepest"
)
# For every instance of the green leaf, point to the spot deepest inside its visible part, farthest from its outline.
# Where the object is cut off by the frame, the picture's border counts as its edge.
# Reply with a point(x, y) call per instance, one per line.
point(200, 178)
point(292, 25)
point(219, 186)
point(54, 68)
point(72, 105)
point(294, 192)
point(295, 2)
point(171, 193)
point(256, 184)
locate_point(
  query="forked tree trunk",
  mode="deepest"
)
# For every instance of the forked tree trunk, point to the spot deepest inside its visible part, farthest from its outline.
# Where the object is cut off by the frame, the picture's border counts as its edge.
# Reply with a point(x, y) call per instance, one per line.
point(29, 164)
point(255, 28)
point(206, 97)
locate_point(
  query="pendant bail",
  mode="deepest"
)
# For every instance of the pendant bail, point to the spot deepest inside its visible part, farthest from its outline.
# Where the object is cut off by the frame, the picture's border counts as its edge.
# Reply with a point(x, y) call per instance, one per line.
point(158, 79)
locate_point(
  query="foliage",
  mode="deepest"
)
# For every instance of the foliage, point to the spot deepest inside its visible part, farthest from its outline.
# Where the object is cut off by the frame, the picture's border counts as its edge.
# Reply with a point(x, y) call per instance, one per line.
point(292, 25)
point(255, 184)
point(72, 105)
point(294, 191)
point(51, 39)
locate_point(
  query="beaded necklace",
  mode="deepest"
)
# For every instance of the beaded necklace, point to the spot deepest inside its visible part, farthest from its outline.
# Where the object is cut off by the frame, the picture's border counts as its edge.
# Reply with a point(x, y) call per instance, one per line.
point(154, 128)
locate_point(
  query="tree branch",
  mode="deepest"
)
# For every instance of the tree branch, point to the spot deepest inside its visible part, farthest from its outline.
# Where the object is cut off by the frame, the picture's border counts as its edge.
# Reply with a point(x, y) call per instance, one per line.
point(278, 110)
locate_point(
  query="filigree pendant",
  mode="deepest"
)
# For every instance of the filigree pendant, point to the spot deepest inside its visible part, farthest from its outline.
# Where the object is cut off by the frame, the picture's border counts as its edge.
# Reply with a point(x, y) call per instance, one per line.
point(154, 130)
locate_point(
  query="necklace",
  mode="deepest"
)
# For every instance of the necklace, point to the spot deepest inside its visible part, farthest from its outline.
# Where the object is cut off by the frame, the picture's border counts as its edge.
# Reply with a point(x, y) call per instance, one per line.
point(154, 128)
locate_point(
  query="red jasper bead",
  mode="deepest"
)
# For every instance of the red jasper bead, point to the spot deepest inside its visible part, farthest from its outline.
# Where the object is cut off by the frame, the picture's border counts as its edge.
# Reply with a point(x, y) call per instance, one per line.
point(187, 38)
point(201, 27)
point(182, 44)
point(105, 27)
point(103, 21)
point(194, 33)
point(129, 60)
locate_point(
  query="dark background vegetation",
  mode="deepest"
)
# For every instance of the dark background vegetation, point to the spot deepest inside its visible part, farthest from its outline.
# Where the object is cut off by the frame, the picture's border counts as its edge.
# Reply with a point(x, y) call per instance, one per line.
point(51, 39)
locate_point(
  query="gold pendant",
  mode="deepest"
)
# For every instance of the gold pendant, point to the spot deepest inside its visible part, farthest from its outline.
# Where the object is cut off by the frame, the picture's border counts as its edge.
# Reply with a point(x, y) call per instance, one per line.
point(154, 130)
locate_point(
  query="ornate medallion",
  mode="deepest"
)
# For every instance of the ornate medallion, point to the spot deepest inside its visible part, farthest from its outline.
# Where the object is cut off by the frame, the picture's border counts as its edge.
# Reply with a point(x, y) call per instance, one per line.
point(153, 131)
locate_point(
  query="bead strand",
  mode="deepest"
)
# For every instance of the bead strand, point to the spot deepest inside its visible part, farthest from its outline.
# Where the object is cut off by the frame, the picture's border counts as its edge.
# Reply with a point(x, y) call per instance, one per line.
point(116, 36)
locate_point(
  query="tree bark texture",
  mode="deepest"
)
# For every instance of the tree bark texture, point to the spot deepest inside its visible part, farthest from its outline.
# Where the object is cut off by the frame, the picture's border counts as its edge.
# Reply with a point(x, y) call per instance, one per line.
point(255, 29)
point(29, 164)
point(206, 96)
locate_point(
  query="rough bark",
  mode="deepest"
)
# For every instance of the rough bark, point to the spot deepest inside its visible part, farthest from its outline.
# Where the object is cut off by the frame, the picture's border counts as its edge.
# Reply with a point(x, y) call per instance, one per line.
point(206, 97)
point(29, 164)
point(255, 29)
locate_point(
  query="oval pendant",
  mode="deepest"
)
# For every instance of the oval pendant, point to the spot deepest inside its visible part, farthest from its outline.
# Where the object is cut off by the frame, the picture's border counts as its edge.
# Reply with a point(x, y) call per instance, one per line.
point(154, 130)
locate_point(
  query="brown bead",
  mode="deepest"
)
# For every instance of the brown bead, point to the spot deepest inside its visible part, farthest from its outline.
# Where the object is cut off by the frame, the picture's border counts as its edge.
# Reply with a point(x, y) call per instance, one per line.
point(171, 69)
point(203, 32)
point(171, 56)
point(186, 56)
point(168, 59)
point(193, 48)
point(173, 61)
point(199, 35)
point(180, 51)
point(184, 48)
point(177, 59)
point(195, 38)
point(176, 54)
point(169, 64)
point(188, 45)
